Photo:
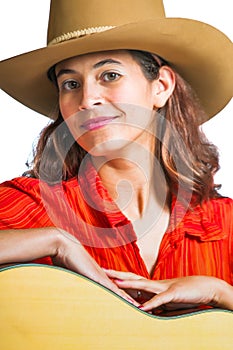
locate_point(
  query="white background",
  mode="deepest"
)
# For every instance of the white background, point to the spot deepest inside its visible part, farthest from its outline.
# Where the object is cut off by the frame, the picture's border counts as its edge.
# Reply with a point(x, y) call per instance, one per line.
point(23, 27)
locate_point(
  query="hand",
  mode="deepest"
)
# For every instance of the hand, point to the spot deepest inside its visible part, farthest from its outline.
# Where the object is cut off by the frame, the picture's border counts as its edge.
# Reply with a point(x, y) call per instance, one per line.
point(178, 293)
point(71, 254)
point(138, 294)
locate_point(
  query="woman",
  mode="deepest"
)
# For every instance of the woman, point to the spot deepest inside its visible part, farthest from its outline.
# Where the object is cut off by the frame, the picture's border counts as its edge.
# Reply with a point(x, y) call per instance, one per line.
point(121, 189)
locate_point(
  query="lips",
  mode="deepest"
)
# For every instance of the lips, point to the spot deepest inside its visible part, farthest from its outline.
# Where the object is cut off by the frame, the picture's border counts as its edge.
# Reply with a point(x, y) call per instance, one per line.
point(96, 123)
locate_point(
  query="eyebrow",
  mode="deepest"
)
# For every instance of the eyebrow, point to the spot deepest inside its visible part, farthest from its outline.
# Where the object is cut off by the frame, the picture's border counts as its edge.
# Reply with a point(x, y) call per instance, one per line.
point(65, 71)
point(106, 61)
point(96, 65)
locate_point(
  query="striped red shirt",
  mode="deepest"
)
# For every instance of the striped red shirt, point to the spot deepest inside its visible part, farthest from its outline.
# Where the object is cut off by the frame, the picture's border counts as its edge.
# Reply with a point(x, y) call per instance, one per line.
point(198, 242)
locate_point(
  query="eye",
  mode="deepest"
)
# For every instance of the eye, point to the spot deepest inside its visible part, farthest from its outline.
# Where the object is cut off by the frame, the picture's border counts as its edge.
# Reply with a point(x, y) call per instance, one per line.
point(110, 76)
point(70, 85)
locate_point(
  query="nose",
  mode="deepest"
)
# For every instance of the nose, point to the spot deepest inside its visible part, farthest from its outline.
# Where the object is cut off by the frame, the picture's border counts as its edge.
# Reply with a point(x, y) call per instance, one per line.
point(91, 96)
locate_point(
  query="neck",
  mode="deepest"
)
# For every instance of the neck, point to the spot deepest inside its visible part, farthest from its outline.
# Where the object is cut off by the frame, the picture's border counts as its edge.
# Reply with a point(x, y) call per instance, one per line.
point(134, 183)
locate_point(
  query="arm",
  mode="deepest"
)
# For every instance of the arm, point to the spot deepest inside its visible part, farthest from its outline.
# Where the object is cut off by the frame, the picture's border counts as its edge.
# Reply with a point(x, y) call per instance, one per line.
point(18, 246)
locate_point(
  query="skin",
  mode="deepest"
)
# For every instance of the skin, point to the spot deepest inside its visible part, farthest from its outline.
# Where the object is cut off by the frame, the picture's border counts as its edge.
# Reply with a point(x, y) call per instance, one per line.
point(177, 293)
point(36, 243)
point(111, 84)
point(20, 246)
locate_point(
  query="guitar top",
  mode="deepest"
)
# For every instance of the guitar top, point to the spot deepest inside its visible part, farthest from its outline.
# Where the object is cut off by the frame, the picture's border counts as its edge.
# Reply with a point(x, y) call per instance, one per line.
point(44, 307)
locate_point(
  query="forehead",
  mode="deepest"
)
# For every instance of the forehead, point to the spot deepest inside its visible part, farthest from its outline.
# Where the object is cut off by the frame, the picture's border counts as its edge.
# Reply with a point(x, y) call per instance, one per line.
point(122, 56)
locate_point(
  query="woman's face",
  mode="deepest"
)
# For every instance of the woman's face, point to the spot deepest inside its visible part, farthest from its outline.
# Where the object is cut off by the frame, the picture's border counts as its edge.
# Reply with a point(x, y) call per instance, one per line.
point(106, 101)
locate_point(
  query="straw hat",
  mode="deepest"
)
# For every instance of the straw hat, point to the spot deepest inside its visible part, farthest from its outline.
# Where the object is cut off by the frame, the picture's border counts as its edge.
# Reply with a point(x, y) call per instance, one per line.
point(199, 52)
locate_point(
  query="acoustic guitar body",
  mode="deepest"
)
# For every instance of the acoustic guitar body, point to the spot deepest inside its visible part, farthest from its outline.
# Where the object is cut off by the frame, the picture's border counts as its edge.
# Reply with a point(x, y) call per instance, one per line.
point(43, 307)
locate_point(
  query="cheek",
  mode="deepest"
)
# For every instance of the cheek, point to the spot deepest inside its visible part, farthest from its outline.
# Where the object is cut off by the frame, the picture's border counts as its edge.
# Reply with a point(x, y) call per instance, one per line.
point(120, 95)
point(139, 94)
point(70, 116)
point(67, 107)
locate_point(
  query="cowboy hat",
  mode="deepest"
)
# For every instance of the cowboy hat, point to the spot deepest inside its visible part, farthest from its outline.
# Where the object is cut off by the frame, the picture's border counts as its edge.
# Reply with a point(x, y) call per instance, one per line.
point(199, 52)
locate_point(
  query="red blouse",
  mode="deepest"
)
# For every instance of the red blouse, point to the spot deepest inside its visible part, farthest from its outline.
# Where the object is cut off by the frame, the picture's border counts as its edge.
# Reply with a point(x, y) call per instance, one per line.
point(198, 242)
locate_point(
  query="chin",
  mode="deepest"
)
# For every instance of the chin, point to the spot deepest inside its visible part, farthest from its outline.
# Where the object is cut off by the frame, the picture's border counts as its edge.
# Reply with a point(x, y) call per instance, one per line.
point(110, 148)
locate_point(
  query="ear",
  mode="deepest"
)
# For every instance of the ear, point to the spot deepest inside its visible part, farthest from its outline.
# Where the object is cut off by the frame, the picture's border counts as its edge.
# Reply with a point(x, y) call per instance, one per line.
point(163, 86)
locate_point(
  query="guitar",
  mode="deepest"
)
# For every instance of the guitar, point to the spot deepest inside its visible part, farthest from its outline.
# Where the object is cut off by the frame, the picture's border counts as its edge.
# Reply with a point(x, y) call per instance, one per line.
point(44, 307)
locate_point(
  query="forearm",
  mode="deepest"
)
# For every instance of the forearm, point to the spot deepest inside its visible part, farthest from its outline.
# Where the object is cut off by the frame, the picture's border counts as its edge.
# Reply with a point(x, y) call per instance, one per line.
point(18, 246)
point(25, 245)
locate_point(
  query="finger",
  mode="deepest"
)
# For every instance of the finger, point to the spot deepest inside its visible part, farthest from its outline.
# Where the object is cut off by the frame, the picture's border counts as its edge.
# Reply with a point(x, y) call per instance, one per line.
point(123, 294)
point(139, 295)
point(121, 275)
point(157, 301)
point(140, 284)
point(128, 298)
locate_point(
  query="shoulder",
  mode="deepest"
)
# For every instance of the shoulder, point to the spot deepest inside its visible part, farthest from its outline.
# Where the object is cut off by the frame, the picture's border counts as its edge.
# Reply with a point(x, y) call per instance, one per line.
point(18, 198)
point(211, 220)
point(218, 206)
point(19, 183)
point(18, 188)
point(218, 211)
point(30, 190)
point(28, 185)
point(17, 194)
point(22, 202)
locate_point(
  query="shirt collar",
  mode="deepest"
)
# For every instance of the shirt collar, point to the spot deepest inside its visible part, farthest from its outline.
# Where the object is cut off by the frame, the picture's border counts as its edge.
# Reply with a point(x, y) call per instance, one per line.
point(195, 222)
point(198, 222)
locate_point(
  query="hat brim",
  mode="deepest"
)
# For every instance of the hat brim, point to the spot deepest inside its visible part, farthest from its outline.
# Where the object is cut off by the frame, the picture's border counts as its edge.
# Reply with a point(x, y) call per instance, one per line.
point(200, 53)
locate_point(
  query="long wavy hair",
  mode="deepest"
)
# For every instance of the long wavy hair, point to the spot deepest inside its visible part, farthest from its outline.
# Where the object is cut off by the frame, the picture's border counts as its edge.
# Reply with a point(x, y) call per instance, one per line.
point(187, 158)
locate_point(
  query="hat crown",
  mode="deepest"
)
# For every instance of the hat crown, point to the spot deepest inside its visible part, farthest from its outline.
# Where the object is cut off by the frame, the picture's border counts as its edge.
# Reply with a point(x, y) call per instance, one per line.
point(71, 15)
